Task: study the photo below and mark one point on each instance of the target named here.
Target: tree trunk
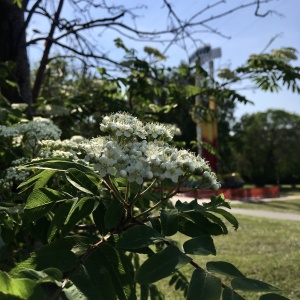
(13, 48)
(40, 74)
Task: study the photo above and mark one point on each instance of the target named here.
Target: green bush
(95, 205)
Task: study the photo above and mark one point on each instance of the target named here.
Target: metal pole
(197, 104)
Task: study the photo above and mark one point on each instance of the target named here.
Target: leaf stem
(112, 188)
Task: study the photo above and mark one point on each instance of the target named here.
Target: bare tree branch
(178, 30)
(41, 70)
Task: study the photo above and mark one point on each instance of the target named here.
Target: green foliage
(274, 159)
(89, 218)
(269, 71)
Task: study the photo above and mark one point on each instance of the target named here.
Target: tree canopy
(266, 147)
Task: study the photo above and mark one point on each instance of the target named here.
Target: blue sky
(248, 35)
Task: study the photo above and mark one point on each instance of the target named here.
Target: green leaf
(47, 275)
(98, 216)
(194, 224)
(71, 291)
(59, 164)
(185, 206)
(40, 201)
(144, 291)
(169, 221)
(120, 269)
(155, 223)
(155, 294)
(137, 237)
(81, 181)
(229, 294)
(217, 221)
(23, 288)
(39, 179)
(272, 296)
(18, 3)
(81, 209)
(215, 202)
(107, 274)
(201, 245)
(161, 265)
(223, 267)
(58, 255)
(58, 220)
(204, 286)
(90, 284)
(247, 284)
(228, 216)
(114, 214)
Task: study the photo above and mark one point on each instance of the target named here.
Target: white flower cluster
(123, 124)
(13, 174)
(37, 130)
(65, 149)
(157, 130)
(32, 132)
(8, 131)
(133, 151)
(28, 134)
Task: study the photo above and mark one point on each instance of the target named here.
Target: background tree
(267, 71)
(266, 147)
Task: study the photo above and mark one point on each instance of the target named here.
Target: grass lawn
(263, 249)
(284, 206)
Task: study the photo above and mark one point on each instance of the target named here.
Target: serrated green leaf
(82, 208)
(58, 220)
(38, 180)
(161, 265)
(137, 237)
(59, 164)
(204, 286)
(223, 267)
(40, 201)
(201, 245)
(114, 214)
(247, 284)
(272, 296)
(81, 181)
(58, 255)
(22, 288)
(169, 221)
(229, 294)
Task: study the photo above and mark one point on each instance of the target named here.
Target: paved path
(266, 214)
(252, 212)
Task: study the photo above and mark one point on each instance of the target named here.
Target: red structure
(237, 194)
